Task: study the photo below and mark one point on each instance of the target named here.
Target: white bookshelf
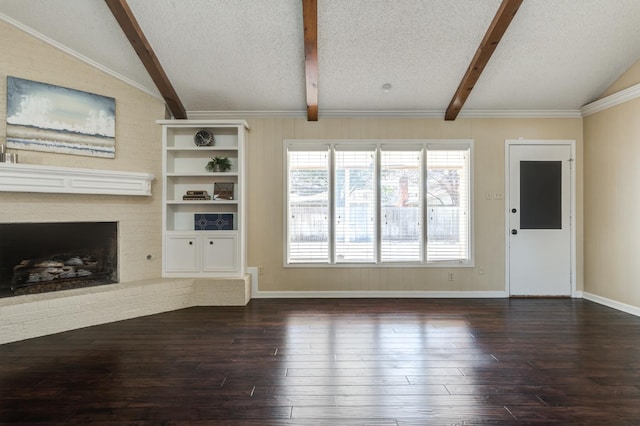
(205, 238)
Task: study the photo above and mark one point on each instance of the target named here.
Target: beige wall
(138, 144)
(138, 149)
(612, 200)
(265, 205)
(630, 78)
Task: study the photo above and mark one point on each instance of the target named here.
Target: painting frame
(50, 118)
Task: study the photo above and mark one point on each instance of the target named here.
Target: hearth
(42, 257)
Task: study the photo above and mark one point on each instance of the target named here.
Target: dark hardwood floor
(335, 362)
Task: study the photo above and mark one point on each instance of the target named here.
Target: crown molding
(398, 113)
(240, 115)
(610, 101)
(439, 114)
(76, 55)
(538, 113)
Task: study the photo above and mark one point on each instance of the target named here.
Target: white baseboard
(253, 271)
(257, 294)
(380, 294)
(630, 309)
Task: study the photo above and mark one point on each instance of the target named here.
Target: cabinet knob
(190, 243)
(210, 243)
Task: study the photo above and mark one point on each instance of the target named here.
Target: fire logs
(59, 267)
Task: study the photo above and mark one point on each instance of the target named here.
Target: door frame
(572, 214)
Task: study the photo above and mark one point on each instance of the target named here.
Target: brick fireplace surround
(70, 194)
(25, 317)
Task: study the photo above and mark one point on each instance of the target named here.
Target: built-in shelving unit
(203, 237)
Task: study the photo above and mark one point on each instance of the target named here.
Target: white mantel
(67, 180)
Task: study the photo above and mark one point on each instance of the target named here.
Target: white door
(539, 218)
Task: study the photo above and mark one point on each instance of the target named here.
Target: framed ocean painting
(45, 117)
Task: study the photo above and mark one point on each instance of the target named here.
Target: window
(361, 202)
(355, 206)
(448, 205)
(401, 206)
(308, 199)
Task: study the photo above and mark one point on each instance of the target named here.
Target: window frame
(379, 145)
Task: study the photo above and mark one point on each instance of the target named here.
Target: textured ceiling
(248, 55)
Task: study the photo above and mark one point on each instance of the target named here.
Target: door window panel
(540, 195)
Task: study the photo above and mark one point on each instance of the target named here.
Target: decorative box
(213, 221)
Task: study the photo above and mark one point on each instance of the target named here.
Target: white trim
(630, 309)
(610, 101)
(204, 123)
(337, 113)
(399, 113)
(572, 144)
(253, 271)
(380, 294)
(66, 180)
(216, 115)
(520, 114)
(78, 55)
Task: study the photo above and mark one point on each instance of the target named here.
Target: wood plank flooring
(335, 362)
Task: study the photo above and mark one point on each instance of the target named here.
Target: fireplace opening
(42, 257)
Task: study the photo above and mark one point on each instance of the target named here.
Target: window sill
(469, 264)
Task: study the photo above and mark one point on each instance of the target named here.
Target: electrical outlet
(481, 270)
(498, 196)
(260, 270)
(450, 276)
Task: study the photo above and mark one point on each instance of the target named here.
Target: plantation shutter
(308, 205)
(401, 204)
(448, 204)
(355, 204)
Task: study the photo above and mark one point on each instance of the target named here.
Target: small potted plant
(219, 164)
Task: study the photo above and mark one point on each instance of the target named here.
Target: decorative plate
(203, 138)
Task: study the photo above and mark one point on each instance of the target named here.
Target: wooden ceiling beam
(310, 19)
(498, 27)
(140, 44)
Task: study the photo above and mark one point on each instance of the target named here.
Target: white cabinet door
(220, 253)
(181, 253)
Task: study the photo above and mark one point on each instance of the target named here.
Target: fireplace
(42, 257)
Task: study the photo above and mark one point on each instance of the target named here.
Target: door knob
(514, 231)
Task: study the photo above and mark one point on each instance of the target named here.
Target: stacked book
(196, 195)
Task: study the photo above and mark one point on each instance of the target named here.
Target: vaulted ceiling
(247, 57)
